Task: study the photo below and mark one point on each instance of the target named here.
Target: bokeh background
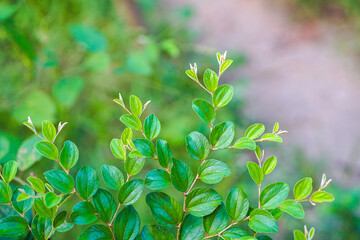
(295, 62)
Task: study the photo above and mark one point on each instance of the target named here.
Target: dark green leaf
(156, 232)
(60, 180)
(222, 135)
(152, 127)
(131, 121)
(5, 192)
(237, 203)
(83, 213)
(112, 176)
(255, 172)
(69, 155)
(269, 165)
(59, 219)
(25, 205)
(191, 228)
(181, 176)
(87, 182)
(274, 195)
(135, 105)
(197, 145)
(322, 196)
(222, 95)
(213, 171)
(234, 233)
(49, 131)
(245, 143)
(293, 208)
(202, 201)
(9, 171)
(205, 110)
(271, 137)
(41, 227)
(211, 80)
(104, 204)
(133, 165)
(118, 149)
(254, 131)
(216, 221)
(131, 191)
(51, 199)
(157, 179)
(47, 149)
(127, 224)
(42, 209)
(164, 153)
(96, 232)
(145, 146)
(13, 226)
(303, 188)
(37, 184)
(262, 221)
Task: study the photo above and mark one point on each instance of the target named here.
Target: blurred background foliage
(66, 60)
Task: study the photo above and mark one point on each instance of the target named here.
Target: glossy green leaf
(216, 221)
(213, 171)
(225, 65)
(204, 110)
(112, 176)
(165, 209)
(135, 105)
(254, 131)
(104, 204)
(131, 191)
(181, 176)
(133, 165)
(25, 205)
(13, 226)
(191, 75)
(127, 224)
(64, 227)
(202, 201)
(303, 188)
(156, 232)
(269, 165)
(83, 213)
(274, 195)
(9, 171)
(41, 227)
(47, 149)
(49, 131)
(60, 180)
(126, 136)
(293, 208)
(322, 196)
(271, 137)
(87, 182)
(197, 145)
(145, 147)
(222, 135)
(234, 233)
(59, 219)
(191, 228)
(118, 149)
(69, 155)
(277, 213)
(152, 127)
(211, 80)
(157, 179)
(245, 143)
(164, 153)
(262, 221)
(255, 172)
(42, 209)
(37, 184)
(51, 199)
(96, 232)
(237, 204)
(131, 121)
(222, 95)
(298, 235)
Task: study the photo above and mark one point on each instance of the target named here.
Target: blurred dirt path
(302, 75)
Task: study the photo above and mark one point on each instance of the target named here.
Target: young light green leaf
(197, 145)
(9, 171)
(191, 75)
(215, 222)
(213, 171)
(131, 121)
(135, 105)
(152, 127)
(299, 235)
(5, 192)
(255, 172)
(126, 135)
(271, 137)
(222, 135)
(276, 127)
(222, 95)
(42, 209)
(49, 131)
(262, 221)
(83, 213)
(134, 165)
(47, 149)
(293, 208)
(245, 143)
(274, 195)
(104, 204)
(322, 196)
(87, 182)
(127, 224)
(96, 232)
(269, 165)
(303, 188)
(225, 66)
(164, 153)
(13, 227)
(211, 80)
(237, 204)
(118, 149)
(202, 201)
(37, 184)
(204, 110)
(112, 176)
(60, 180)
(51, 200)
(130, 192)
(254, 131)
(145, 147)
(191, 228)
(181, 176)
(157, 179)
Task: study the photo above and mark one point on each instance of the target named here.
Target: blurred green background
(66, 60)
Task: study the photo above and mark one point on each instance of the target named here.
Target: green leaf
(104, 204)
(131, 191)
(245, 143)
(13, 226)
(65, 227)
(191, 228)
(49, 131)
(127, 224)
(112, 176)
(254, 131)
(234, 233)
(152, 127)
(237, 204)
(204, 110)
(59, 219)
(22, 197)
(213, 171)
(26, 154)
(274, 195)
(47, 149)
(157, 179)
(60, 180)
(298, 235)
(269, 165)
(255, 172)
(181, 176)
(87, 182)
(135, 153)
(96, 232)
(164, 153)
(197, 145)
(262, 221)
(202, 201)
(156, 232)
(222, 95)
(145, 146)
(126, 136)
(118, 149)
(51, 200)
(165, 209)
(277, 213)
(131, 121)
(25, 205)
(303, 188)
(69, 155)
(216, 221)
(135, 105)
(293, 208)
(89, 38)
(37, 184)
(67, 90)
(222, 135)
(271, 137)
(134, 165)
(83, 213)
(322, 196)
(211, 80)
(191, 75)
(276, 127)
(9, 170)
(42, 209)
(41, 227)
(225, 65)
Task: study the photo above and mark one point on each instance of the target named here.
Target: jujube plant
(202, 214)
